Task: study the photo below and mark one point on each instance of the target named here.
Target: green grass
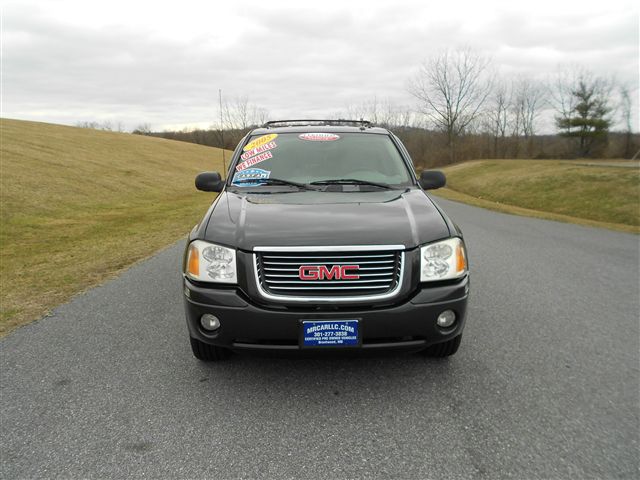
(605, 194)
(79, 205)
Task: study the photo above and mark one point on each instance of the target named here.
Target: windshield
(317, 157)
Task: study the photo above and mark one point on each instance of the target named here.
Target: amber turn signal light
(461, 261)
(193, 262)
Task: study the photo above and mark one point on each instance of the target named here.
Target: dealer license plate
(336, 333)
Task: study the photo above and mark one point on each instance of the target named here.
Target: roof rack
(303, 122)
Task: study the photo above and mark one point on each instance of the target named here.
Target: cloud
(138, 62)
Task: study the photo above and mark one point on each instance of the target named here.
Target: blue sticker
(241, 178)
(318, 333)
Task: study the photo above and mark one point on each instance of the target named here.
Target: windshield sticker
(257, 150)
(258, 142)
(253, 160)
(240, 179)
(319, 137)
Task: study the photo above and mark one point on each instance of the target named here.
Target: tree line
(465, 109)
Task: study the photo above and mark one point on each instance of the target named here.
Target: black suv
(323, 239)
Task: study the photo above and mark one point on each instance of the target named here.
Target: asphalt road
(545, 385)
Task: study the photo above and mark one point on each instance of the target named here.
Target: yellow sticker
(258, 142)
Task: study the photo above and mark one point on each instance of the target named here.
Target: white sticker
(250, 177)
(319, 137)
(262, 148)
(253, 160)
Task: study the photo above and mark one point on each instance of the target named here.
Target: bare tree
(259, 115)
(142, 129)
(87, 124)
(105, 125)
(372, 109)
(380, 112)
(529, 98)
(407, 118)
(395, 117)
(366, 110)
(626, 109)
(497, 115)
(452, 88)
(237, 117)
(240, 114)
(560, 92)
(235, 113)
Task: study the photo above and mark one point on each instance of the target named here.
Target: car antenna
(224, 161)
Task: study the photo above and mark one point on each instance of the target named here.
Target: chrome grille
(379, 273)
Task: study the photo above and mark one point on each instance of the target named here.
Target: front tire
(444, 349)
(208, 353)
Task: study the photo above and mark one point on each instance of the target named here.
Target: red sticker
(253, 160)
(257, 150)
(319, 137)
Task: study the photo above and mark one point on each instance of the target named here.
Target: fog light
(209, 322)
(446, 318)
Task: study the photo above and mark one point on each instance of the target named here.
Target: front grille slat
(296, 276)
(328, 282)
(297, 269)
(332, 262)
(330, 288)
(279, 273)
(327, 257)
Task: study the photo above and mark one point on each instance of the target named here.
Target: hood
(325, 218)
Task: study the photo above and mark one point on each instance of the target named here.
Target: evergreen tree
(589, 118)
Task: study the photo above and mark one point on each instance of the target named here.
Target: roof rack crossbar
(319, 122)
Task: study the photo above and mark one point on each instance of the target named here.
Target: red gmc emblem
(321, 272)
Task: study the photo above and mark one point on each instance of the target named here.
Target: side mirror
(432, 179)
(209, 182)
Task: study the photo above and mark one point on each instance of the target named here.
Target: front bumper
(247, 326)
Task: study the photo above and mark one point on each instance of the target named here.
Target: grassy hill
(600, 193)
(78, 205)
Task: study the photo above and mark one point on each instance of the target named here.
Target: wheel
(208, 353)
(444, 349)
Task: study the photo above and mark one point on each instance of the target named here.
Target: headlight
(443, 260)
(207, 262)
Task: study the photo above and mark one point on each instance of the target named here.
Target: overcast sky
(162, 63)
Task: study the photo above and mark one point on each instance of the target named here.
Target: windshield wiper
(351, 181)
(273, 181)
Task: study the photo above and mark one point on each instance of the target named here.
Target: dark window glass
(310, 157)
